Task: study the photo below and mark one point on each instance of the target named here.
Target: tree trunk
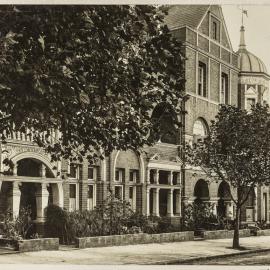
(236, 244)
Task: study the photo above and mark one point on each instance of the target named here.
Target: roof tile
(182, 15)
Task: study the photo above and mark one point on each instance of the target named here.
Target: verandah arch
(36, 157)
(224, 199)
(201, 191)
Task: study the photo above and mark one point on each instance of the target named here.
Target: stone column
(157, 177)
(42, 197)
(15, 169)
(18, 135)
(214, 208)
(227, 209)
(171, 178)
(23, 136)
(231, 210)
(178, 203)
(148, 176)
(16, 197)
(170, 203)
(147, 202)
(43, 170)
(156, 202)
(255, 211)
(178, 178)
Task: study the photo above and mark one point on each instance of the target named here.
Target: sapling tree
(237, 151)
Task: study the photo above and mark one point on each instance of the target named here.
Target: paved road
(261, 258)
(136, 254)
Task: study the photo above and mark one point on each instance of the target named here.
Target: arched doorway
(32, 168)
(201, 191)
(224, 201)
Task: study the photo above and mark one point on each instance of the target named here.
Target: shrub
(263, 225)
(56, 223)
(113, 217)
(225, 223)
(137, 220)
(165, 226)
(17, 228)
(199, 215)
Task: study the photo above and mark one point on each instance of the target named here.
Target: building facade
(153, 180)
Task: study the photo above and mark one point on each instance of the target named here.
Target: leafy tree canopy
(236, 151)
(92, 72)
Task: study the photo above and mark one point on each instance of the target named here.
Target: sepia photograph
(134, 134)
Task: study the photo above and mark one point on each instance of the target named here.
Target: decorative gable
(251, 91)
(214, 26)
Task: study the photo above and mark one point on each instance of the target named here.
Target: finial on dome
(242, 44)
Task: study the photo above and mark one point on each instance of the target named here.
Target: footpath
(148, 254)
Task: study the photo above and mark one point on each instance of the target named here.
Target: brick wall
(203, 43)
(225, 55)
(224, 40)
(214, 80)
(214, 49)
(191, 37)
(234, 88)
(180, 34)
(199, 108)
(190, 72)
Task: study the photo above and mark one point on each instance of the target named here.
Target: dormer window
(214, 31)
(215, 28)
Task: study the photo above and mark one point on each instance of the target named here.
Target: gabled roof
(185, 15)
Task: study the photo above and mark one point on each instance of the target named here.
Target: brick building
(154, 180)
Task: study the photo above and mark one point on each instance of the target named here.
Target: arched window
(165, 121)
(200, 130)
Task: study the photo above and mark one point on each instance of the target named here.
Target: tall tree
(92, 72)
(237, 151)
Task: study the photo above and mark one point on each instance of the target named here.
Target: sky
(257, 26)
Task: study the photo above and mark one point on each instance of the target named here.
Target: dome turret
(253, 77)
(248, 62)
